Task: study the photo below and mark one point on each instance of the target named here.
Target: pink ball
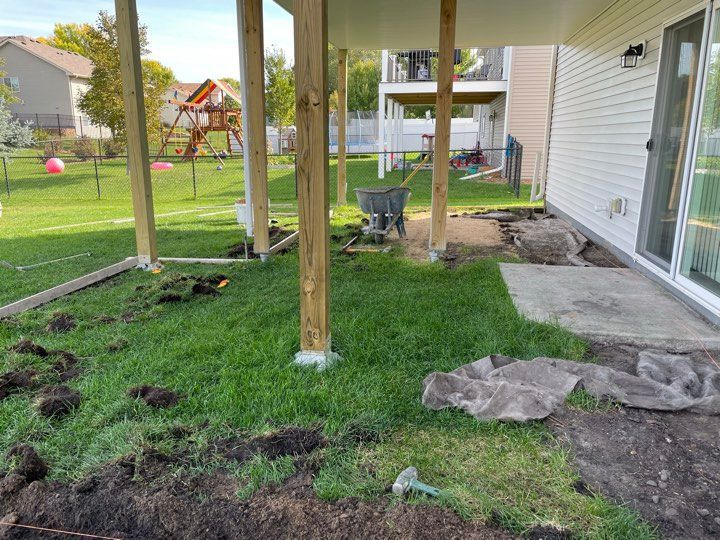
(161, 166)
(54, 165)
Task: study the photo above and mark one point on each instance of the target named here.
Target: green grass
(393, 321)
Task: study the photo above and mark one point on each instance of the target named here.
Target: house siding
(529, 89)
(493, 136)
(602, 117)
(44, 88)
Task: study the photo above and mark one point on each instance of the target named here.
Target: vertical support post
(192, 160)
(389, 132)
(58, 125)
(247, 174)
(7, 180)
(401, 129)
(443, 110)
(342, 126)
(310, 21)
(381, 135)
(255, 66)
(137, 143)
(97, 176)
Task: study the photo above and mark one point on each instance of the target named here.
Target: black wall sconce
(629, 58)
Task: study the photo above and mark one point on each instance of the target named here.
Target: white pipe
(243, 105)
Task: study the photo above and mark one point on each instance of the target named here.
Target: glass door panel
(700, 260)
(680, 60)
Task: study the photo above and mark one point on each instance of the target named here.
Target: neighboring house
(48, 83)
(508, 86)
(633, 159)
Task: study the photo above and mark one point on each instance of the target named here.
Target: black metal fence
(62, 125)
(104, 177)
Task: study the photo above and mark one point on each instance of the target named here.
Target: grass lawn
(393, 322)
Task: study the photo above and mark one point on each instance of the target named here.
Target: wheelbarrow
(385, 206)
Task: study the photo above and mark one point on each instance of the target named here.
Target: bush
(113, 147)
(84, 147)
(52, 148)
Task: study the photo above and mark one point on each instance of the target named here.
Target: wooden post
(310, 17)
(342, 126)
(255, 137)
(443, 111)
(137, 144)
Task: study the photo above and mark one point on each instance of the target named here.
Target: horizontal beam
(460, 98)
(285, 242)
(66, 288)
(195, 260)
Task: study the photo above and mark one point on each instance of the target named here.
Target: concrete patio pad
(607, 304)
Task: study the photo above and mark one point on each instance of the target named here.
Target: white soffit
(397, 24)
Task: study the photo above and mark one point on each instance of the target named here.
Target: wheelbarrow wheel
(380, 224)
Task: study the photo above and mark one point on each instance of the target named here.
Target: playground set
(208, 111)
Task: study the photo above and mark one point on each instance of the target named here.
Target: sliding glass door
(672, 128)
(700, 251)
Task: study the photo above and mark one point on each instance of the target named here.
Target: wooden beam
(255, 137)
(342, 125)
(443, 111)
(285, 242)
(66, 288)
(136, 131)
(310, 21)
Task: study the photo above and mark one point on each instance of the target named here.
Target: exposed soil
(665, 465)
(57, 401)
(145, 498)
(66, 365)
(154, 396)
(118, 345)
(545, 239)
(175, 288)
(287, 442)
(467, 240)
(203, 288)
(61, 322)
(29, 464)
(238, 251)
(26, 346)
(15, 381)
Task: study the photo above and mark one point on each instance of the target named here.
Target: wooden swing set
(206, 116)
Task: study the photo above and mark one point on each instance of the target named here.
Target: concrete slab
(607, 304)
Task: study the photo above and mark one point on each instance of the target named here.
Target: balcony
(420, 65)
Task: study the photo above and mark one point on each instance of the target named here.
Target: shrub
(113, 147)
(52, 147)
(84, 147)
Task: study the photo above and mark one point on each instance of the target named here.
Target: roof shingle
(75, 64)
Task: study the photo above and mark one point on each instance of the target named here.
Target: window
(12, 82)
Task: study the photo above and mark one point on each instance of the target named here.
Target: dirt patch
(136, 500)
(244, 250)
(26, 346)
(665, 465)
(29, 464)
(175, 288)
(15, 381)
(61, 323)
(546, 239)
(468, 239)
(204, 288)
(290, 441)
(57, 401)
(154, 396)
(66, 365)
(118, 345)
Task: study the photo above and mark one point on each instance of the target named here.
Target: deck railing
(413, 65)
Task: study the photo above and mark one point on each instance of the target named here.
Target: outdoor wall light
(634, 53)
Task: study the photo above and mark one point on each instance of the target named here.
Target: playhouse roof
(205, 89)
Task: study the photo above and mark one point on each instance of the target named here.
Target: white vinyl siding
(530, 73)
(493, 133)
(602, 116)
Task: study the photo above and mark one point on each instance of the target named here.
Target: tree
(13, 133)
(6, 93)
(71, 37)
(103, 101)
(230, 102)
(279, 90)
(363, 77)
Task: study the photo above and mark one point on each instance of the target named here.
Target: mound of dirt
(292, 441)
(57, 401)
(61, 322)
(154, 396)
(26, 346)
(66, 365)
(664, 465)
(175, 288)
(204, 288)
(117, 345)
(120, 502)
(30, 465)
(14, 381)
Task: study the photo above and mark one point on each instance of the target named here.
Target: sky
(196, 41)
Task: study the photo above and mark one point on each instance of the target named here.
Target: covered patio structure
(379, 24)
